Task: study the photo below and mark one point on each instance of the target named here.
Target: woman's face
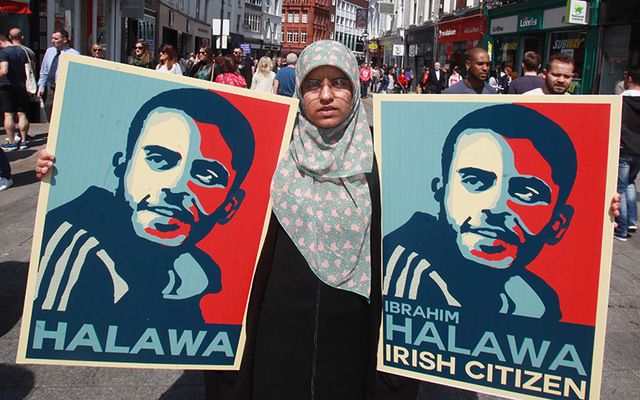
(163, 56)
(326, 96)
(202, 55)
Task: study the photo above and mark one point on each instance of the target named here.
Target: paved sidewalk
(17, 208)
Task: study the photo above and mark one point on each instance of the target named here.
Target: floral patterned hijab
(320, 192)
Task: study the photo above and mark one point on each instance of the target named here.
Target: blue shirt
(46, 66)
(286, 78)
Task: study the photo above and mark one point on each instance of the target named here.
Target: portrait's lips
(172, 212)
(498, 250)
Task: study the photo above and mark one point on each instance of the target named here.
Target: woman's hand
(44, 163)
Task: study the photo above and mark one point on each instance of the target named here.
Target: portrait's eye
(160, 158)
(529, 190)
(476, 179)
(341, 83)
(210, 173)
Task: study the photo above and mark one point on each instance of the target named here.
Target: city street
(18, 205)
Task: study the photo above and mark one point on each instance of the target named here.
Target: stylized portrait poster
(497, 240)
(149, 227)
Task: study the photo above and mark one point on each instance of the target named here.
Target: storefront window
(64, 16)
(506, 48)
(102, 28)
(571, 44)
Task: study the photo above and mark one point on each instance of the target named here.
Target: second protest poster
(497, 240)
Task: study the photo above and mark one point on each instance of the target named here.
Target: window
(303, 37)
(252, 22)
(305, 17)
(289, 36)
(282, 36)
(296, 18)
(332, 17)
(290, 18)
(254, 2)
(238, 23)
(295, 37)
(331, 35)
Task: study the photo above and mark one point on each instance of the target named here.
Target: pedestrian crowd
(334, 324)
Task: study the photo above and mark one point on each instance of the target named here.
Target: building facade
(347, 30)
(304, 22)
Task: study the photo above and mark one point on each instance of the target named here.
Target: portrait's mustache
(169, 210)
(498, 232)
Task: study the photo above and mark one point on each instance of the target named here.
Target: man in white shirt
(49, 68)
(558, 75)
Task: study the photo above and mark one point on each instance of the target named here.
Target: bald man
(478, 65)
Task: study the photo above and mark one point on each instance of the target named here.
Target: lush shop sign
(530, 21)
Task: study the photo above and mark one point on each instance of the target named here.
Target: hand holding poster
(149, 228)
(497, 242)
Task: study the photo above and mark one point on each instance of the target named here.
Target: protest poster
(149, 227)
(497, 240)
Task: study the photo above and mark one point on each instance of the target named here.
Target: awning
(14, 6)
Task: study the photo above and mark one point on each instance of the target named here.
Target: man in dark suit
(436, 80)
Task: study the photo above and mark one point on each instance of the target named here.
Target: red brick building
(304, 22)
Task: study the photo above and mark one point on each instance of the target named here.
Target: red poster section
(234, 246)
(575, 278)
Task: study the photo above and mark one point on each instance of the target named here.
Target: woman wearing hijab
(314, 313)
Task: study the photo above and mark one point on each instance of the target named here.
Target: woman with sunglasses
(141, 56)
(97, 51)
(314, 312)
(203, 65)
(168, 60)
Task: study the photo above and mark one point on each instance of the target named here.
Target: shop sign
(413, 50)
(462, 30)
(373, 46)
(132, 9)
(398, 49)
(386, 8)
(504, 25)
(530, 21)
(564, 44)
(576, 12)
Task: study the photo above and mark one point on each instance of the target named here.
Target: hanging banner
(149, 227)
(362, 18)
(497, 240)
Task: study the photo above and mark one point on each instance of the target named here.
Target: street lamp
(364, 37)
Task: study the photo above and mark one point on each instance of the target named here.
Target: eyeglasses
(98, 49)
(202, 52)
(162, 52)
(315, 85)
(139, 48)
(237, 52)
